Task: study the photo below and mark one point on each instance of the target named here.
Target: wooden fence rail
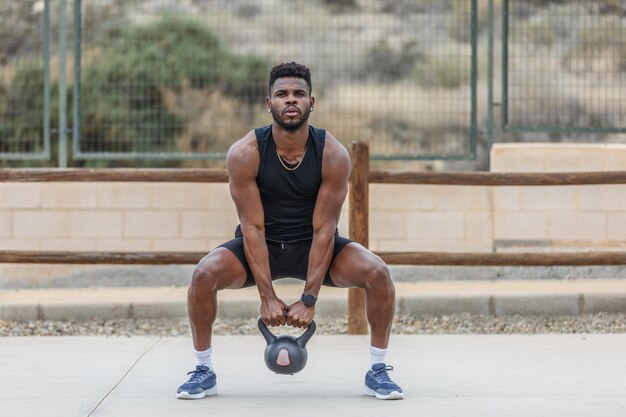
(113, 175)
(359, 217)
(391, 258)
(498, 178)
(373, 177)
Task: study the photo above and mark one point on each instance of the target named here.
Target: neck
(290, 141)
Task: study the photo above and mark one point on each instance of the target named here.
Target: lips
(291, 112)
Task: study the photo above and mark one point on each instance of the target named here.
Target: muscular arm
(330, 199)
(242, 163)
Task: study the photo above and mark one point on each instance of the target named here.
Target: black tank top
(289, 197)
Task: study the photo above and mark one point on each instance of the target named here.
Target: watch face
(308, 300)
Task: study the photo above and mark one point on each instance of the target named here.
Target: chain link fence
(24, 80)
(165, 79)
(565, 65)
(183, 79)
(189, 78)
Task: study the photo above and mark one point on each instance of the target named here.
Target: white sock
(204, 357)
(377, 355)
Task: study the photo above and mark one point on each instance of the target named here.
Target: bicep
(242, 185)
(245, 194)
(332, 194)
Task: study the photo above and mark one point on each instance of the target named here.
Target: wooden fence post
(359, 226)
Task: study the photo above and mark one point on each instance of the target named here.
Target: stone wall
(197, 217)
(589, 217)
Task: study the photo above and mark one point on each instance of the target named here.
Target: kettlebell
(286, 354)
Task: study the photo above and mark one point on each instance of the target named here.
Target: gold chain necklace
(297, 165)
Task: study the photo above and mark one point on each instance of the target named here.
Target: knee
(379, 278)
(204, 277)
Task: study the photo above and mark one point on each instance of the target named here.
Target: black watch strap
(308, 300)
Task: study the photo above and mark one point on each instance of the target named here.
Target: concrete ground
(499, 376)
(452, 375)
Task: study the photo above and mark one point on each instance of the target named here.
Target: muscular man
(288, 181)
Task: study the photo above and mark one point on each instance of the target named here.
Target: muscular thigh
(352, 265)
(224, 266)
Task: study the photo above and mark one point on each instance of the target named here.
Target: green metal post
(63, 84)
(490, 80)
(505, 64)
(46, 79)
(77, 64)
(473, 122)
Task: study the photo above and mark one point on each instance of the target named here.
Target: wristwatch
(308, 300)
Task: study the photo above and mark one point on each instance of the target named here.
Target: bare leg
(218, 270)
(355, 266)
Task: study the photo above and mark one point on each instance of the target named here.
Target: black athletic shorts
(288, 259)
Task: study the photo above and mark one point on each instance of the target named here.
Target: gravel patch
(403, 324)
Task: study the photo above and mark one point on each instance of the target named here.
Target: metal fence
(564, 65)
(163, 79)
(25, 89)
(172, 80)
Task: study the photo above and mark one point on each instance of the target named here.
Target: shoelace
(197, 374)
(383, 374)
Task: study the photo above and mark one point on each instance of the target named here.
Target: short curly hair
(290, 69)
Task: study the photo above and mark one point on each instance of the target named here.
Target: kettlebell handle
(267, 333)
(302, 340)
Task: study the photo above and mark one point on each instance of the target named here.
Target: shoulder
(243, 156)
(336, 157)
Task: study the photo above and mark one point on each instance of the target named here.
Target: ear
(268, 103)
(312, 99)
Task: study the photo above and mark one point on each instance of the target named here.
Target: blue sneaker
(202, 382)
(379, 385)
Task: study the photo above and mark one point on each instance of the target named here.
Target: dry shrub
(397, 118)
(211, 120)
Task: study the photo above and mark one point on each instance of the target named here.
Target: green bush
(443, 72)
(385, 64)
(19, 28)
(404, 7)
(341, 5)
(122, 91)
(612, 7)
(21, 109)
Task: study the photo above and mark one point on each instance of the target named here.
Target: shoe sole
(393, 395)
(206, 393)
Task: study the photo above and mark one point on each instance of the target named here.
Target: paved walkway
(486, 376)
(547, 297)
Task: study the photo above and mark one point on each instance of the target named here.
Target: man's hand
(299, 315)
(273, 311)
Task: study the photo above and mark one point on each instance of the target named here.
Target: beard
(293, 124)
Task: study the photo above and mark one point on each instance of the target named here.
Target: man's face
(290, 102)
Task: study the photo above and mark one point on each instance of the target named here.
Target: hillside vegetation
(190, 76)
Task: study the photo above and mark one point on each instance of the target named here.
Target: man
(288, 181)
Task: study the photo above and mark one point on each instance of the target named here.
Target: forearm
(320, 257)
(256, 252)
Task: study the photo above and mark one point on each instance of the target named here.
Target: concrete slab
(514, 375)
(30, 276)
(549, 305)
(64, 376)
(450, 297)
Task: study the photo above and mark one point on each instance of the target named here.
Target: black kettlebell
(286, 354)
